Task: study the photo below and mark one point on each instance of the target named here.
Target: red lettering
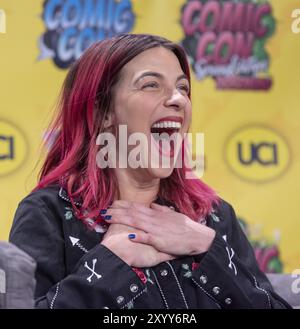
(244, 44)
(224, 48)
(226, 29)
(189, 22)
(237, 17)
(259, 29)
(210, 16)
(249, 18)
(206, 39)
(226, 19)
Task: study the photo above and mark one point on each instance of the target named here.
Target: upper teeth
(167, 124)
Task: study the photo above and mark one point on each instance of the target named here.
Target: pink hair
(71, 160)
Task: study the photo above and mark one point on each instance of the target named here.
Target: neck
(135, 188)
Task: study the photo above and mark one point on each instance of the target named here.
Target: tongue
(166, 148)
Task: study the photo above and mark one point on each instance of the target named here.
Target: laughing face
(151, 98)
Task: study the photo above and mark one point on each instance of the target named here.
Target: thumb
(163, 257)
(141, 237)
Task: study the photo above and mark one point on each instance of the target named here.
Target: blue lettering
(71, 14)
(66, 43)
(124, 17)
(85, 39)
(52, 14)
(89, 14)
(76, 24)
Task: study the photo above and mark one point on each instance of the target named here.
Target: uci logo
(257, 154)
(13, 148)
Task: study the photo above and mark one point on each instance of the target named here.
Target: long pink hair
(85, 100)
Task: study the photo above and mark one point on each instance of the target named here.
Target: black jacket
(75, 271)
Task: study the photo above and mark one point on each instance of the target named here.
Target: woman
(132, 236)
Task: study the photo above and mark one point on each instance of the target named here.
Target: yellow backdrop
(252, 155)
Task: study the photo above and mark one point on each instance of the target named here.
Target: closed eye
(185, 88)
(150, 85)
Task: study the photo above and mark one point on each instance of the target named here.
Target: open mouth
(161, 131)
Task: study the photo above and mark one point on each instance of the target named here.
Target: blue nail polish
(131, 236)
(107, 217)
(103, 211)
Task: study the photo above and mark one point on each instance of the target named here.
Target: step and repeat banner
(245, 63)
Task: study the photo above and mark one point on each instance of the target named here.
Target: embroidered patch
(231, 265)
(195, 266)
(214, 217)
(75, 242)
(186, 270)
(140, 274)
(98, 228)
(129, 305)
(148, 276)
(92, 270)
(68, 213)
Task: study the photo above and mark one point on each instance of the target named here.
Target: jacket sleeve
(228, 271)
(100, 279)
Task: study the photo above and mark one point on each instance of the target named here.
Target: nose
(175, 99)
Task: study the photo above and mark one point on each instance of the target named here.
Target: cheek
(188, 113)
(135, 113)
(140, 109)
(127, 111)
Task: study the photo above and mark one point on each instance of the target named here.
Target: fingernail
(103, 211)
(107, 217)
(131, 236)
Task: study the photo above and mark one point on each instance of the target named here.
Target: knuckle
(134, 213)
(149, 238)
(134, 219)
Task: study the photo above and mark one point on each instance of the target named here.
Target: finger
(123, 219)
(141, 237)
(149, 239)
(140, 207)
(134, 209)
(130, 218)
(160, 207)
(121, 204)
(117, 212)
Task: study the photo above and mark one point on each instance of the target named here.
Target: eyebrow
(158, 75)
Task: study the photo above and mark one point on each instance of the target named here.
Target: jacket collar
(63, 194)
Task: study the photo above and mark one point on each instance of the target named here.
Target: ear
(108, 122)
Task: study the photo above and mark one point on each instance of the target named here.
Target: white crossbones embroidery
(98, 276)
(231, 264)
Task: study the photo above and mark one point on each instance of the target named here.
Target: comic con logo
(257, 154)
(13, 148)
(73, 25)
(225, 40)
